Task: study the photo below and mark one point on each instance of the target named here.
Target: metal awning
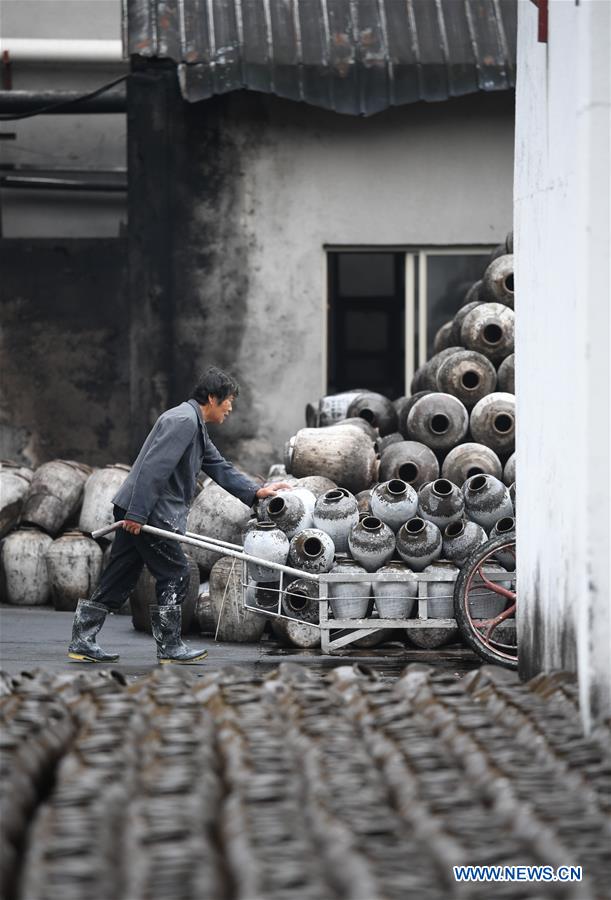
(352, 56)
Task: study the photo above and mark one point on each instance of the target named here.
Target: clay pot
(395, 599)
(394, 502)
(263, 595)
(217, 514)
(395, 438)
(498, 280)
(460, 317)
(345, 455)
(336, 513)
(311, 550)
(308, 498)
(440, 502)
(505, 527)
(509, 472)
(493, 422)
(334, 407)
(439, 420)
(234, 622)
(316, 484)
(485, 603)
(506, 375)
(512, 494)
(144, 596)
(473, 294)
(486, 500)
(286, 511)
(509, 242)
(362, 424)
(470, 459)
(363, 500)
(416, 382)
(375, 409)
(372, 543)
(460, 539)
(266, 541)
(349, 600)
(499, 250)
(489, 329)
(25, 570)
(14, 486)
(443, 337)
(74, 564)
(300, 600)
(428, 379)
(440, 603)
(432, 638)
(419, 543)
(99, 490)
(298, 634)
(466, 375)
(55, 494)
(411, 461)
(403, 411)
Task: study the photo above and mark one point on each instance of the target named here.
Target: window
(384, 309)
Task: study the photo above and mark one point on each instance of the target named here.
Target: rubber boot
(88, 619)
(166, 622)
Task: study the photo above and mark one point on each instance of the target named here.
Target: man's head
(215, 393)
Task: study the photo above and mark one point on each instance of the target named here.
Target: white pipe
(60, 50)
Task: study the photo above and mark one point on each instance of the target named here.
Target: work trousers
(130, 553)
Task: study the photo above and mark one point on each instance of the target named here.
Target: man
(158, 492)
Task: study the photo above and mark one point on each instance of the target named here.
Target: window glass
(366, 274)
(449, 276)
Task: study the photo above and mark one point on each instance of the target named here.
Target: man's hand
(271, 489)
(132, 527)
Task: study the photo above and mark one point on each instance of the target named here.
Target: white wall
(562, 344)
(92, 141)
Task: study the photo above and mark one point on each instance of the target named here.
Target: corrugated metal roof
(351, 56)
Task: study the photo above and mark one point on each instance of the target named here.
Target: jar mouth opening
(507, 523)
(508, 283)
(408, 472)
(397, 487)
(276, 505)
(371, 523)
(415, 525)
(478, 483)
(454, 529)
(334, 495)
(470, 380)
(312, 547)
(492, 333)
(266, 526)
(474, 470)
(297, 599)
(442, 487)
(368, 415)
(439, 423)
(503, 423)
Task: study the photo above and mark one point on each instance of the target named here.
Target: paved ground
(33, 637)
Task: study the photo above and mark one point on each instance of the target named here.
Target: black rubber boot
(166, 622)
(88, 619)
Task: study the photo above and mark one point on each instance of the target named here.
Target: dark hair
(215, 382)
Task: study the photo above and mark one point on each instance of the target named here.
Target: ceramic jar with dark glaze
(505, 527)
(395, 599)
(428, 379)
(371, 543)
(55, 494)
(489, 329)
(486, 500)
(460, 316)
(440, 601)
(509, 472)
(440, 502)
(470, 459)
(493, 422)
(506, 375)
(419, 543)
(460, 539)
(403, 411)
(443, 337)
(349, 599)
(438, 420)
(287, 512)
(363, 500)
(467, 375)
(329, 409)
(336, 513)
(410, 461)
(395, 438)
(74, 564)
(300, 600)
(376, 409)
(344, 454)
(311, 550)
(498, 282)
(263, 595)
(394, 502)
(265, 541)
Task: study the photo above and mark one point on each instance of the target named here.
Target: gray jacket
(161, 485)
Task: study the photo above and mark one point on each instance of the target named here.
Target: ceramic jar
(394, 502)
(74, 564)
(25, 569)
(460, 539)
(493, 422)
(438, 420)
(486, 500)
(100, 488)
(375, 409)
(296, 633)
(484, 603)
(332, 408)
(443, 337)
(498, 283)
(467, 375)
(349, 599)
(287, 512)
(505, 527)
(463, 312)
(316, 484)
(346, 455)
(440, 598)
(311, 550)
(55, 494)
(395, 599)
(336, 513)
(217, 514)
(15, 483)
(506, 375)
(509, 472)
(263, 595)
(300, 600)
(440, 502)
(265, 541)
(470, 459)
(409, 461)
(419, 543)
(428, 378)
(489, 329)
(372, 543)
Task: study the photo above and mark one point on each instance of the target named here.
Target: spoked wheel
(482, 605)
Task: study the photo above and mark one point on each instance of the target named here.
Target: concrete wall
(64, 351)
(264, 184)
(562, 193)
(93, 142)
